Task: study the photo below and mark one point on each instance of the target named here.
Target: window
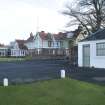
(57, 43)
(100, 49)
(61, 43)
(49, 43)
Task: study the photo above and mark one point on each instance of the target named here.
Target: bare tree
(90, 14)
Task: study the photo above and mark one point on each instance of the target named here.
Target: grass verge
(53, 92)
(9, 59)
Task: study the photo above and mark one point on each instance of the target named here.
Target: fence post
(62, 73)
(5, 82)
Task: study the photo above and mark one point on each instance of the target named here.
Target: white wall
(96, 61)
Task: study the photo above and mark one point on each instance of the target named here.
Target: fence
(35, 52)
(48, 52)
(74, 55)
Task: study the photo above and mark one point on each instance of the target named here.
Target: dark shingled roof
(48, 36)
(99, 35)
(60, 36)
(2, 45)
(21, 44)
(31, 38)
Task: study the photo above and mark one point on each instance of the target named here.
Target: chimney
(42, 31)
(31, 34)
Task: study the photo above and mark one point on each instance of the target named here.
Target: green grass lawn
(9, 59)
(53, 92)
(4, 59)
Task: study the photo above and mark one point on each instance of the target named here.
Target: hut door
(86, 55)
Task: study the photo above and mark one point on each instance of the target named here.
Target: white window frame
(100, 49)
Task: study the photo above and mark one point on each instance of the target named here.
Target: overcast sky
(20, 17)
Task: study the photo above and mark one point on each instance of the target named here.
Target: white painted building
(3, 50)
(91, 51)
(52, 43)
(18, 49)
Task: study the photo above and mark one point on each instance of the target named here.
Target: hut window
(100, 49)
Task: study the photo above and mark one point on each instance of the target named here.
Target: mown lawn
(53, 92)
(9, 59)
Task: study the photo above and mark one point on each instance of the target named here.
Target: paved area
(92, 75)
(29, 71)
